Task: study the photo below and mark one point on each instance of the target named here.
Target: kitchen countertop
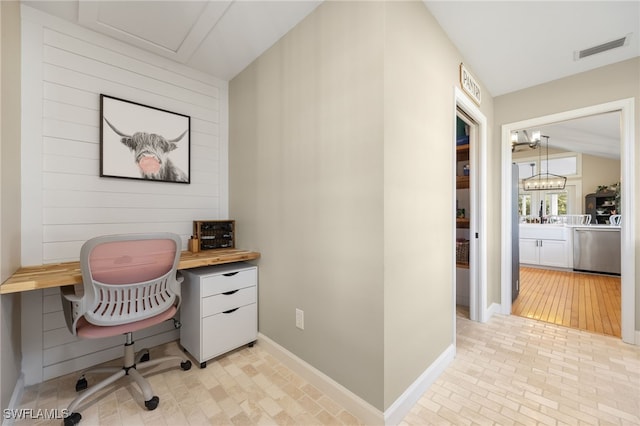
(562, 225)
(598, 226)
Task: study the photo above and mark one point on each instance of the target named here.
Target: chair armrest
(69, 293)
(72, 306)
(177, 288)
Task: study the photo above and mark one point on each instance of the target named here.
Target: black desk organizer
(214, 234)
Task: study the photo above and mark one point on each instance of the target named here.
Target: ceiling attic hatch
(580, 54)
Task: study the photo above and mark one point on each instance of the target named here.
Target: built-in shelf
(462, 152)
(462, 182)
(462, 265)
(462, 222)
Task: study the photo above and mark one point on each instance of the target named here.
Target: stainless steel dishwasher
(596, 249)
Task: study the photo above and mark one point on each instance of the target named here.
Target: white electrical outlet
(300, 319)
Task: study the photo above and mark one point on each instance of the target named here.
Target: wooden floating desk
(60, 274)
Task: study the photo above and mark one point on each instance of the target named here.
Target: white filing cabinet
(219, 310)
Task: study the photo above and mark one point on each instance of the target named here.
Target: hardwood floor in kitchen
(583, 301)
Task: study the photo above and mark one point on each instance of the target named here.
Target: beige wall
(341, 172)
(306, 189)
(10, 194)
(421, 71)
(606, 84)
(598, 171)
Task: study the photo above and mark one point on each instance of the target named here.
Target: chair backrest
(129, 277)
(615, 219)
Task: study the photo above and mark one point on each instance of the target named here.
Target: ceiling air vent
(602, 47)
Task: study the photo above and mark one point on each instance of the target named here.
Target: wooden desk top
(60, 274)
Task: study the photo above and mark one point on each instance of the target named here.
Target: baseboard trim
(341, 395)
(637, 337)
(494, 308)
(14, 402)
(401, 407)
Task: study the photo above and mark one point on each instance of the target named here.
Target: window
(560, 164)
(555, 202)
(564, 166)
(524, 204)
(527, 169)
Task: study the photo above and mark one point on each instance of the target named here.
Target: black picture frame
(143, 142)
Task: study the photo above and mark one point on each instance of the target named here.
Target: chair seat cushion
(86, 330)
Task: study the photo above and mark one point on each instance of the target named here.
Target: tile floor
(518, 371)
(245, 387)
(509, 371)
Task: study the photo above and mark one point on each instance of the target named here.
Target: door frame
(478, 205)
(629, 177)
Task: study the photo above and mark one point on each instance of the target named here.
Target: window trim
(536, 159)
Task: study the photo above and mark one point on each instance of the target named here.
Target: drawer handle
(230, 310)
(227, 293)
(230, 274)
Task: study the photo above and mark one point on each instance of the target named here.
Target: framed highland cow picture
(142, 142)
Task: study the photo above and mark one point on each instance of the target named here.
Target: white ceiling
(218, 37)
(597, 135)
(509, 45)
(512, 45)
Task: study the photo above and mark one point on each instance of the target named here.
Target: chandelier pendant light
(543, 181)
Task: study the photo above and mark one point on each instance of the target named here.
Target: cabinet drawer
(224, 332)
(222, 283)
(230, 300)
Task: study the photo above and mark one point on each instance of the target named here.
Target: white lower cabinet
(554, 253)
(219, 310)
(544, 252)
(529, 251)
(546, 245)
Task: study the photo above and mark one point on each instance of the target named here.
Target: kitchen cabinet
(600, 205)
(544, 252)
(546, 245)
(219, 310)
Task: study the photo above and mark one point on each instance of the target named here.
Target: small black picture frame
(143, 142)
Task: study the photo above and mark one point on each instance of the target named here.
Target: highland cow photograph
(143, 142)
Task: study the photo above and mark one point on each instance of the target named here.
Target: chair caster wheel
(72, 419)
(203, 364)
(152, 404)
(145, 357)
(81, 385)
(185, 365)
(251, 344)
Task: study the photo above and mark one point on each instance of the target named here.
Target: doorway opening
(628, 176)
(470, 275)
(586, 151)
(466, 137)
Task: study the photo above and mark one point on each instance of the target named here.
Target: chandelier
(543, 181)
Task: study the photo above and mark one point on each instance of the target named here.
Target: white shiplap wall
(65, 68)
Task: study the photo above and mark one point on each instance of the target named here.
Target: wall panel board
(65, 201)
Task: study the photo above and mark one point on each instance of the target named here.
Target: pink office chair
(130, 282)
